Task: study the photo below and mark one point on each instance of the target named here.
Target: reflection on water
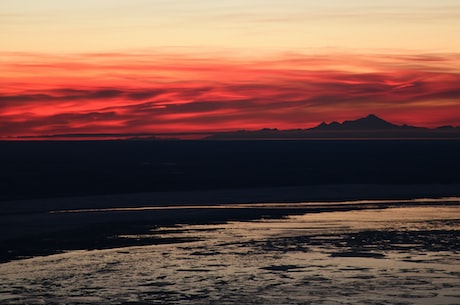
(403, 255)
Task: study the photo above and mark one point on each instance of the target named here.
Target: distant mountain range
(369, 127)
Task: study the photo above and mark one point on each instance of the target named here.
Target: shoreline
(285, 194)
(43, 227)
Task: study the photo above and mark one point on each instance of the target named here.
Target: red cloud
(120, 94)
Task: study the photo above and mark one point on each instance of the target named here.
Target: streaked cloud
(150, 93)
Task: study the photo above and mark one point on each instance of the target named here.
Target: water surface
(397, 255)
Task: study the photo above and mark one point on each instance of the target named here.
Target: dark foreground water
(396, 255)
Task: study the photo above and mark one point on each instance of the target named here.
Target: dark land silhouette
(375, 152)
(41, 169)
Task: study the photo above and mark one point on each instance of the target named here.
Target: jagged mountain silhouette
(370, 122)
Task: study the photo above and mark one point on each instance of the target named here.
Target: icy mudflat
(397, 255)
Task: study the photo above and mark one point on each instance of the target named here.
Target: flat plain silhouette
(38, 169)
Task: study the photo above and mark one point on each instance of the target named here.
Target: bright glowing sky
(127, 66)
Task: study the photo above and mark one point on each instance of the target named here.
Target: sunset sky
(184, 66)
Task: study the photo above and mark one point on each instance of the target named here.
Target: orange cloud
(158, 93)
